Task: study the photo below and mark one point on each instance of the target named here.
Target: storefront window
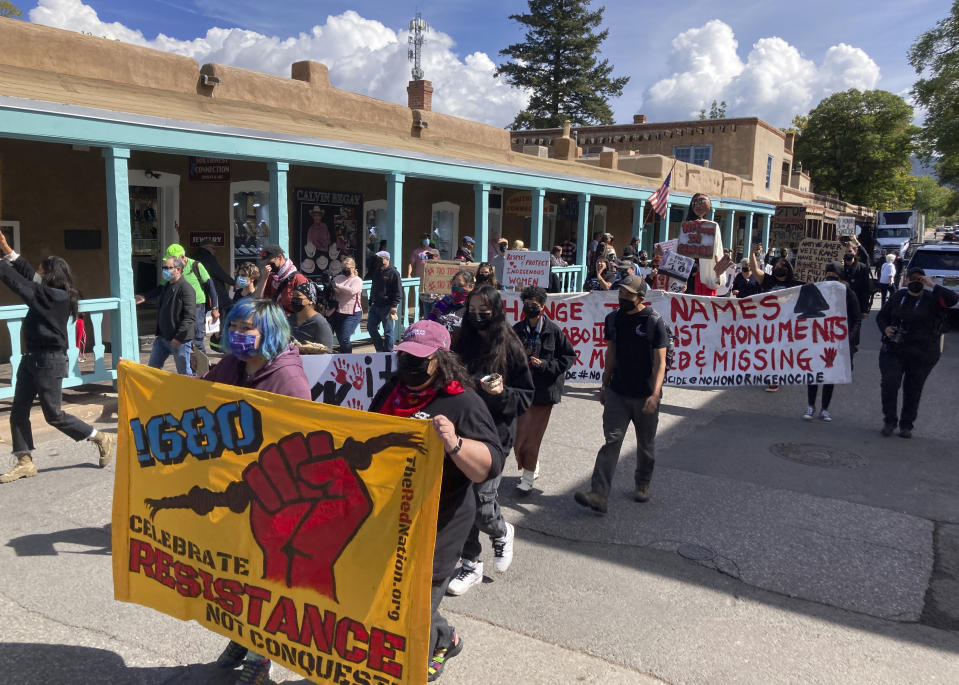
(251, 228)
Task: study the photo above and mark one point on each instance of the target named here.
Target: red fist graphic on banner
(307, 504)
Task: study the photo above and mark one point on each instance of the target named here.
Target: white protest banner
(846, 225)
(787, 337)
(523, 268)
(795, 336)
(347, 380)
(696, 238)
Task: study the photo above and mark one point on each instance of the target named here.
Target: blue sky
(769, 59)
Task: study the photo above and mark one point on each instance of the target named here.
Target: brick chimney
(420, 95)
(639, 118)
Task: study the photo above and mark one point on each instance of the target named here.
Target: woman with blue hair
(261, 357)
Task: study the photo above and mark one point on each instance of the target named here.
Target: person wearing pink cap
(431, 383)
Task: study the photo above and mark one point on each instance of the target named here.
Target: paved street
(772, 551)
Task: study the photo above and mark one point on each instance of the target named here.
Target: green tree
(716, 111)
(931, 198)
(935, 57)
(558, 63)
(857, 144)
(8, 9)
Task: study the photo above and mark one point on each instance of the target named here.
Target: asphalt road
(773, 550)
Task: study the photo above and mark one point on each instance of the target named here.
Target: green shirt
(197, 283)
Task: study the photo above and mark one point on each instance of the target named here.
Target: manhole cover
(696, 553)
(818, 455)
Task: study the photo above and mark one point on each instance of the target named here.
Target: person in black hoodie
(549, 354)
(51, 299)
(910, 322)
(496, 359)
(856, 274)
(386, 291)
(781, 279)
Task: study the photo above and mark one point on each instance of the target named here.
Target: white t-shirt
(887, 273)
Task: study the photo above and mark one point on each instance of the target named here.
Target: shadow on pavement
(44, 544)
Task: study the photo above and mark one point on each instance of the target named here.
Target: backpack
(670, 337)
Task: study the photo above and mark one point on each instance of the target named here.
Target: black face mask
(297, 306)
(626, 305)
(412, 370)
(532, 311)
(347, 272)
(483, 278)
(780, 272)
(915, 287)
(481, 320)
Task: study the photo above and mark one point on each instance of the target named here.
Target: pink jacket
(347, 292)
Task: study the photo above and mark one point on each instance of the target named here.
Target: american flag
(660, 198)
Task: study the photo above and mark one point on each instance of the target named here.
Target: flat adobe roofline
(698, 123)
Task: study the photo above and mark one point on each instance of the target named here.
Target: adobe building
(747, 147)
(109, 152)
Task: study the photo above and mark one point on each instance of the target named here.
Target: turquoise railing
(95, 310)
(571, 278)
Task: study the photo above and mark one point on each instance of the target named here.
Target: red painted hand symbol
(307, 505)
(354, 403)
(339, 371)
(829, 356)
(357, 376)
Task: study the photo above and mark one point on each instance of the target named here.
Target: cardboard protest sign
(665, 247)
(787, 337)
(696, 238)
(347, 380)
(300, 530)
(813, 256)
(788, 226)
(846, 225)
(522, 268)
(437, 274)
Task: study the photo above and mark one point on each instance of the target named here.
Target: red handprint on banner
(354, 403)
(356, 373)
(339, 371)
(829, 356)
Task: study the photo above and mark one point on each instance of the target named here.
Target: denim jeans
(380, 314)
(41, 374)
(199, 325)
(343, 326)
(162, 348)
(618, 412)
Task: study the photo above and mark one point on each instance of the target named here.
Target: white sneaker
(825, 416)
(503, 550)
(810, 412)
(467, 575)
(536, 472)
(525, 485)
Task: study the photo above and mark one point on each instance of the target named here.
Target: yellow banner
(301, 530)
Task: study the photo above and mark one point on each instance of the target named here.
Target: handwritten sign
(813, 256)
(523, 268)
(696, 238)
(788, 226)
(665, 247)
(437, 274)
(846, 225)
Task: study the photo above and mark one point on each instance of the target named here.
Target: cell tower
(418, 29)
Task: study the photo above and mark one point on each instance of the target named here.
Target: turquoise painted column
(712, 214)
(767, 220)
(123, 322)
(665, 222)
(481, 220)
(748, 235)
(582, 236)
(536, 219)
(394, 216)
(728, 230)
(279, 205)
(639, 208)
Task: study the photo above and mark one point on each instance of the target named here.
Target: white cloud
(363, 55)
(775, 82)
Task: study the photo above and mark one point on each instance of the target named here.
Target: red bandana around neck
(405, 402)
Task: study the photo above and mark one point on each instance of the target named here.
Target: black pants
(812, 390)
(908, 367)
(441, 632)
(41, 374)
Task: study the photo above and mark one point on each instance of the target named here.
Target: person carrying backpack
(635, 367)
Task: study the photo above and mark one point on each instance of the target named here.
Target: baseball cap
(383, 254)
(633, 284)
(175, 250)
(469, 239)
(268, 252)
(423, 338)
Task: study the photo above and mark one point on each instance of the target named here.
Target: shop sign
(209, 169)
(198, 238)
(521, 204)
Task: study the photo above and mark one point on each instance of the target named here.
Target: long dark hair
(490, 353)
(492, 274)
(690, 215)
(57, 274)
(449, 368)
